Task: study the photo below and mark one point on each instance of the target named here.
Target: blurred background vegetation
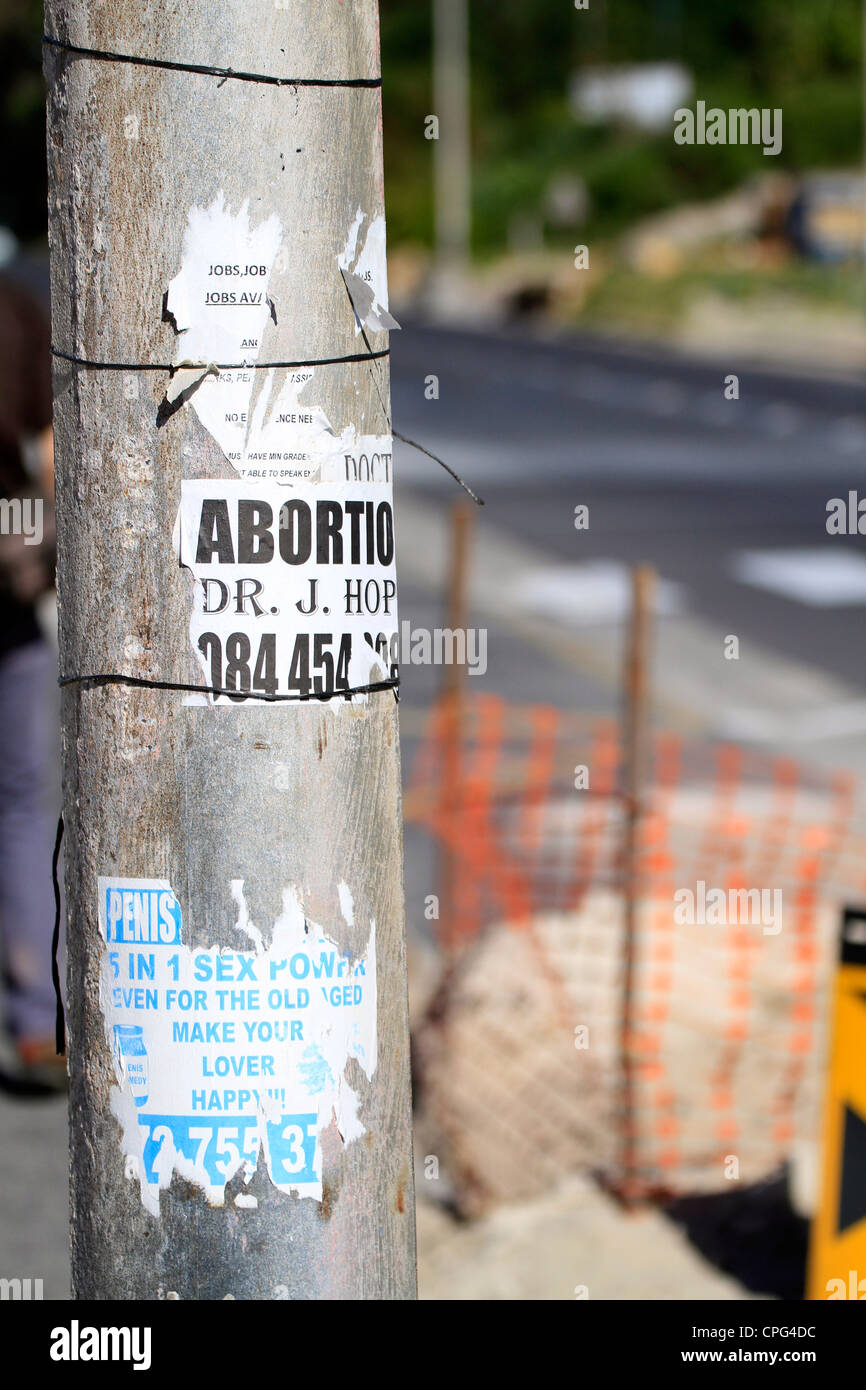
(801, 55)
(22, 119)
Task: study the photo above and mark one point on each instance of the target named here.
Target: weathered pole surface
(236, 820)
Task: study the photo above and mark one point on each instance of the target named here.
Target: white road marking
(818, 578)
(806, 726)
(596, 592)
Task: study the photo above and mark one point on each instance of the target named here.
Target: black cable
(220, 366)
(59, 1020)
(479, 501)
(120, 678)
(206, 70)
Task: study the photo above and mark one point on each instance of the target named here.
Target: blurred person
(27, 669)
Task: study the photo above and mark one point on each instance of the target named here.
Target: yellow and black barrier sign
(837, 1257)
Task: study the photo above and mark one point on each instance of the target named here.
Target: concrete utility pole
(453, 153)
(238, 1033)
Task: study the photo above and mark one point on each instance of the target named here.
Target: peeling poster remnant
(222, 1055)
(364, 270)
(220, 306)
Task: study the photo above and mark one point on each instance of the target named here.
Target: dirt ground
(575, 1243)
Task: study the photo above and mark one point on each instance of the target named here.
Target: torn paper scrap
(364, 268)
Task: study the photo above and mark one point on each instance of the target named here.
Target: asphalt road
(727, 498)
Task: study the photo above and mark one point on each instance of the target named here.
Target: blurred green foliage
(632, 303)
(22, 119)
(802, 55)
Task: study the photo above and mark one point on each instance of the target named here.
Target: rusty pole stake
(636, 736)
(453, 707)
